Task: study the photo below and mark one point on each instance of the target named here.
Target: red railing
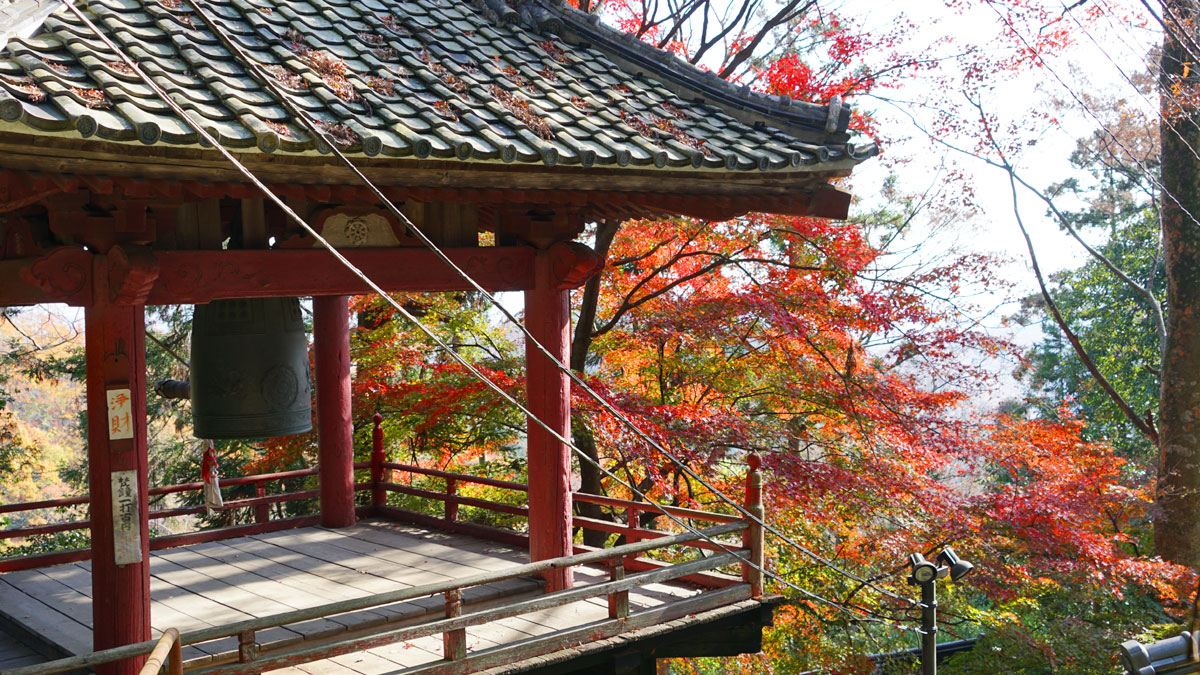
(381, 484)
(255, 655)
(630, 527)
(260, 503)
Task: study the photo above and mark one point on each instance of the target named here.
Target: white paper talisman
(127, 531)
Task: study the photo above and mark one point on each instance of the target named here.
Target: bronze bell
(249, 369)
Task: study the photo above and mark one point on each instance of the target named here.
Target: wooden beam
(196, 277)
(254, 224)
(201, 276)
(63, 155)
(157, 543)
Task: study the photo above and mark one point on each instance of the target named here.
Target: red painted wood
(693, 514)
(173, 540)
(499, 507)
(116, 357)
(635, 534)
(549, 399)
(243, 480)
(47, 504)
(331, 341)
(262, 511)
(472, 529)
(170, 541)
(460, 477)
(42, 529)
(378, 457)
(238, 504)
(451, 499)
(752, 537)
(200, 276)
(634, 564)
(29, 562)
(189, 277)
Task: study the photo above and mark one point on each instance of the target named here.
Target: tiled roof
(533, 83)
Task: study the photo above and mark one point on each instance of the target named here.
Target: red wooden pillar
(117, 471)
(335, 431)
(549, 399)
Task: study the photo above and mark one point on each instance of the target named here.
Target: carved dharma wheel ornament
(249, 369)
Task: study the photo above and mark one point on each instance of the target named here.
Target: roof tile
(439, 78)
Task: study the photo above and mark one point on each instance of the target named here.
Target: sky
(1102, 58)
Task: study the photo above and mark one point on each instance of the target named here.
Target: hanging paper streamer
(210, 473)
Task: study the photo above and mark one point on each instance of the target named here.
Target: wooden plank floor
(219, 582)
(14, 653)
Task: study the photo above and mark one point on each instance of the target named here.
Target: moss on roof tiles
(476, 82)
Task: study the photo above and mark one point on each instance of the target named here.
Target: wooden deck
(15, 653)
(220, 582)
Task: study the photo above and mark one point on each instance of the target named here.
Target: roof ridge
(802, 119)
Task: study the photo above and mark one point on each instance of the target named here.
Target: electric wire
(184, 116)
(1192, 49)
(267, 81)
(1087, 109)
(1163, 93)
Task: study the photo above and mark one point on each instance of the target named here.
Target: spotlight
(959, 568)
(925, 574)
(923, 571)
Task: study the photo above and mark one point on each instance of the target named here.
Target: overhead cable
(267, 81)
(184, 116)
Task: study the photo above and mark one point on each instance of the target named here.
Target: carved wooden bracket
(65, 274)
(355, 227)
(132, 271)
(572, 264)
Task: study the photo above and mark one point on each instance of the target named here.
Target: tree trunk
(581, 344)
(1177, 518)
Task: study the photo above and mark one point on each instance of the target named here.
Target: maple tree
(801, 339)
(1035, 32)
(847, 361)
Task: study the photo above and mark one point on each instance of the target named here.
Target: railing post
(175, 659)
(378, 494)
(618, 601)
(262, 512)
(752, 536)
(454, 642)
(247, 647)
(451, 503)
(631, 524)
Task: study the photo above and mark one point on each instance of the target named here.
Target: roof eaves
(809, 122)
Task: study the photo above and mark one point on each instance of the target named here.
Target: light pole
(925, 574)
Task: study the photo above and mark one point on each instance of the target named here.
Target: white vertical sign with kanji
(127, 530)
(120, 414)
